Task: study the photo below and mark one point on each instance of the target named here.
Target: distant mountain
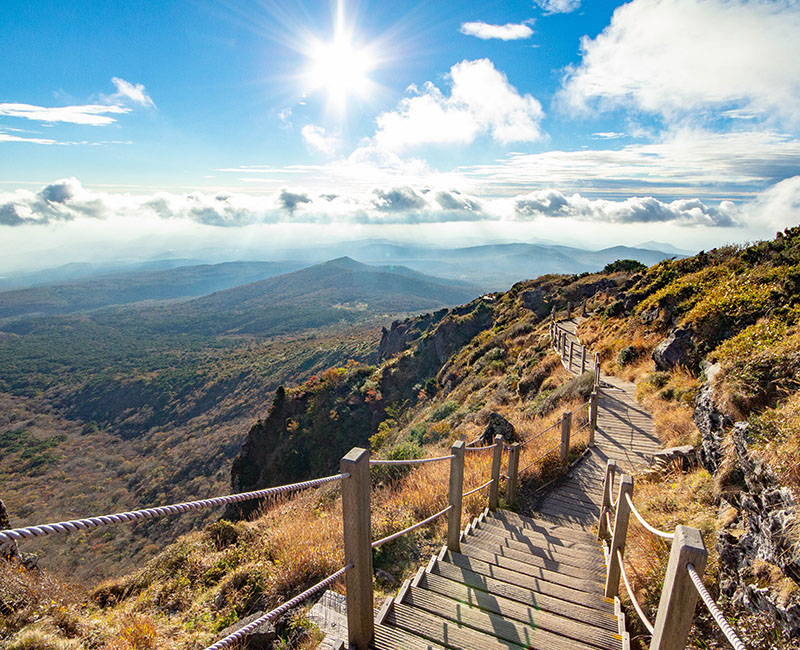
(667, 248)
(328, 293)
(123, 288)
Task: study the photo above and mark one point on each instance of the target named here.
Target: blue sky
(597, 122)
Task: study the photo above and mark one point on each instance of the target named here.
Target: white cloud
(686, 163)
(317, 138)
(66, 200)
(131, 92)
(558, 6)
(481, 101)
(90, 114)
(607, 135)
(680, 58)
(507, 32)
(7, 137)
(690, 212)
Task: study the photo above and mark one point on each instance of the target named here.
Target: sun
(340, 68)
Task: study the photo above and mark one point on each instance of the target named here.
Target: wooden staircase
(529, 582)
(517, 583)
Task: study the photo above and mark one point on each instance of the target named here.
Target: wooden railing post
(583, 308)
(569, 309)
(513, 466)
(497, 457)
(619, 536)
(583, 359)
(563, 345)
(597, 370)
(455, 496)
(571, 353)
(593, 404)
(608, 487)
(358, 547)
(566, 424)
(679, 595)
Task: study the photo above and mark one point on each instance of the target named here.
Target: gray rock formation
(711, 423)
(498, 425)
(678, 349)
(260, 638)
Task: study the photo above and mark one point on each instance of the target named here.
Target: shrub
(627, 355)
(443, 411)
(625, 266)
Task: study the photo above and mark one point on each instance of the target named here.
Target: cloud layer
(481, 102)
(675, 57)
(507, 32)
(67, 200)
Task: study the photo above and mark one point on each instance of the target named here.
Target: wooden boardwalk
(528, 582)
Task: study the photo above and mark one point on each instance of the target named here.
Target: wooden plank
(527, 635)
(537, 560)
(593, 600)
(583, 583)
(513, 521)
(511, 609)
(576, 557)
(450, 634)
(605, 619)
(545, 531)
(392, 638)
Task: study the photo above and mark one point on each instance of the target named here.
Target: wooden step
(583, 583)
(576, 557)
(596, 636)
(525, 634)
(392, 638)
(604, 617)
(450, 634)
(570, 594)
(525, 524)
(527, 557)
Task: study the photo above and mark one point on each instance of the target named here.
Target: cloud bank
(67, 200)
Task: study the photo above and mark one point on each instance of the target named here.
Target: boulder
(534, 300)
(8, 549)
(685, 455)
(260, 638)
(499, 426)
(678, 349)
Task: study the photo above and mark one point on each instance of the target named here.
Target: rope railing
(555, 424)
(410, 461)
(645, 621)
(609, 527)
(149, 513)
(714, 610)
(244, 631)
(380, 542)
(479, 488)
(480, 448)
(644, 523)
(544, 455)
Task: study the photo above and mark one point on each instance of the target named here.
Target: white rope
(480, 448)
(479, 488)
(732, 637)
(411, 461)
(544, 455)
(642, 521)
(609, 527)
(541, 433)
(400, 533)
(611, 492)
(174, 509)
(635, 604)
(244, 631)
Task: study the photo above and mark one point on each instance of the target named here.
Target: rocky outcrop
(765, 528)
(499, 426)
(535, 301)
(768, 517)
(711, 423)
(678, 349)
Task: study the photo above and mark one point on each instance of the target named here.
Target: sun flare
(340, 68)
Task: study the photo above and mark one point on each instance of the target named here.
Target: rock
(711, 423)
(498, 425)
(8, 549)
(260, 638)
(678, 349)
(649, 316)
(385, 577)
(534, 300)
(685, 455)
